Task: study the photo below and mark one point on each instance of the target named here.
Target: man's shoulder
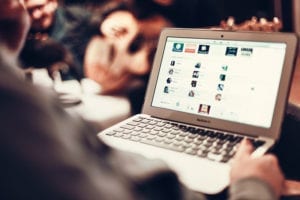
(15, 88)
(74, 12)
(70, 20)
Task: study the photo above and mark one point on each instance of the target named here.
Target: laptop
(207, 91)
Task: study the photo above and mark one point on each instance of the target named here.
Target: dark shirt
(71, 29)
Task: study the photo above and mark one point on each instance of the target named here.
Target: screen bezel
(274, 131)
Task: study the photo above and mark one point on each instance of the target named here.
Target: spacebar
(170, 147)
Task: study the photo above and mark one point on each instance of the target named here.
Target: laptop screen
(223, 79)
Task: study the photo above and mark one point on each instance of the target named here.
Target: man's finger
(245, 149)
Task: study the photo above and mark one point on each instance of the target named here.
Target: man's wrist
(251, 188)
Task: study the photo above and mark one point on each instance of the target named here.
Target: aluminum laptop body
(231, 82)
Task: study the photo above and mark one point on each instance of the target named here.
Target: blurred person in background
(120, 55)
(57, 37)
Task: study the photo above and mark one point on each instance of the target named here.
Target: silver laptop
(207, 91)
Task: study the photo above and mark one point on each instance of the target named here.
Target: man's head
(14, 24)
(42, 13)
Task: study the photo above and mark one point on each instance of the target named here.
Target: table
(101, 111)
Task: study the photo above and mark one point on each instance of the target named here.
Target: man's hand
(265, 168)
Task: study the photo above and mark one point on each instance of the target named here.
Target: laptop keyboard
(214, 145)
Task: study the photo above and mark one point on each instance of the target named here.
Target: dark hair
(99, 13)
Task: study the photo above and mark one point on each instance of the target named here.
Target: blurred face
(119, 29)
(129, 42)
(41, 13)
(14, 24)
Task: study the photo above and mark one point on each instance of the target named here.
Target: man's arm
(255, 178)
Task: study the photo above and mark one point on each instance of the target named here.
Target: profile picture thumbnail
(166, 89)
(196, 74)
(231, 51)
(220, 87)
(203, 49)
(191, 93)
(194, 83)
(198, 65)
(222, 77)
(218, 97)
(178, 47)
(204, 108)
(169, 80)
(224, 68)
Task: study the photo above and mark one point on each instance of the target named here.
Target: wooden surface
(295, 89)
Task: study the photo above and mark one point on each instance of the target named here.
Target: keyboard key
(124, 136)
(145, 130)
(168, 126)
(198, 142)
(151, 137)
(192, 129)
(211, 134)
(142, 125)
(183, 134)
(118, 134)
(137, 119)
(220, 135)
(138, 128)
(150, 127)
(135, 138)
(193, 135)
(179, 138)
(258, 143)
(202, 132)
(214, 157)
(188, 140)
(170, 136)
(162, 134)
(145, 121)
(161, 124)
(159, 139)
(153, 122)
(133, 123)
(166, 130)
(191, 151)
(126, 131)
(110, 133)
(158, 128)
(225, 159)
(168, 141)
(202, 153)
(126, 126)
(171, 147)
(119, 130)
